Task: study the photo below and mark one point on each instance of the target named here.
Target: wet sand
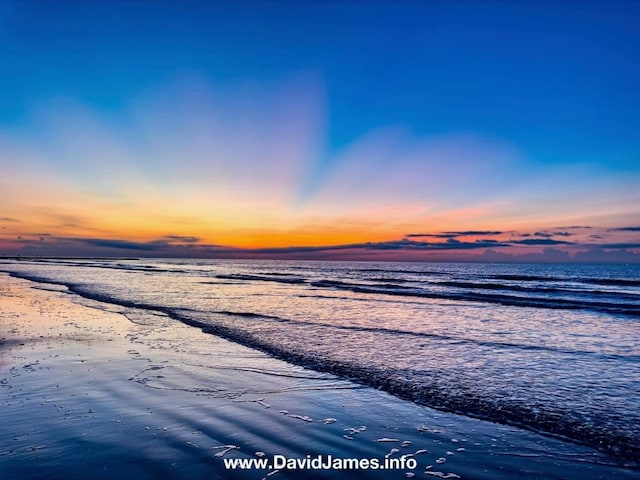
(90, 390)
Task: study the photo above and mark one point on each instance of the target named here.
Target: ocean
(549, 348)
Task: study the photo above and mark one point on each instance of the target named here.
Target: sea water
(550, 348)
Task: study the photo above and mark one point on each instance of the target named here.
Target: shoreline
(616, 445)
(119, 390)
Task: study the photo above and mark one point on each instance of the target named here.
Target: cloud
(598, 245)
(179, 239)
(553, 255)
(166, 244)
(539, 241)
(476, 232)
(546, 234)
(463, 233)
(599, 255)
(174, 150)
(119, 244)
(55, 246)
(625, 229)
(8, 219)
(392, 166)
(548, 255)
(408, 245)
(431, 235)
(260, 157)
(619, 245)
(491, 255)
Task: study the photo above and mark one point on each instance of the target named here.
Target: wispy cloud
(539, 241)
(431, 235)
(476, 232)
(463, 233)
(180, 239)
(625, 229)
(433, 246)
(553, 234)
(627, 245)
(118, 244)
(248, 166)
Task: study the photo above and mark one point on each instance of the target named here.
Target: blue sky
(539, 73)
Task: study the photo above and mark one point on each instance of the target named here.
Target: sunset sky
(489, 131)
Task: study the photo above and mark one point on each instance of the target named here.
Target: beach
(95, 390)
(319, 239)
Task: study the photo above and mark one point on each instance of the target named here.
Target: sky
(504, 131)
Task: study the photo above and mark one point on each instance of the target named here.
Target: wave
(435, 391)
(424, 387)
(279, 274)
(109, 265)
(566, 298)
(263, 278)
(388, 280)
(526, 278)
(507, 300)
(434, 336)
(622, 282)
(520, 288)
(613, 281)
(353, 286)
(406, 272)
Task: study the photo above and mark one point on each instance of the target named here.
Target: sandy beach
(319, 239)
(91, 390)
